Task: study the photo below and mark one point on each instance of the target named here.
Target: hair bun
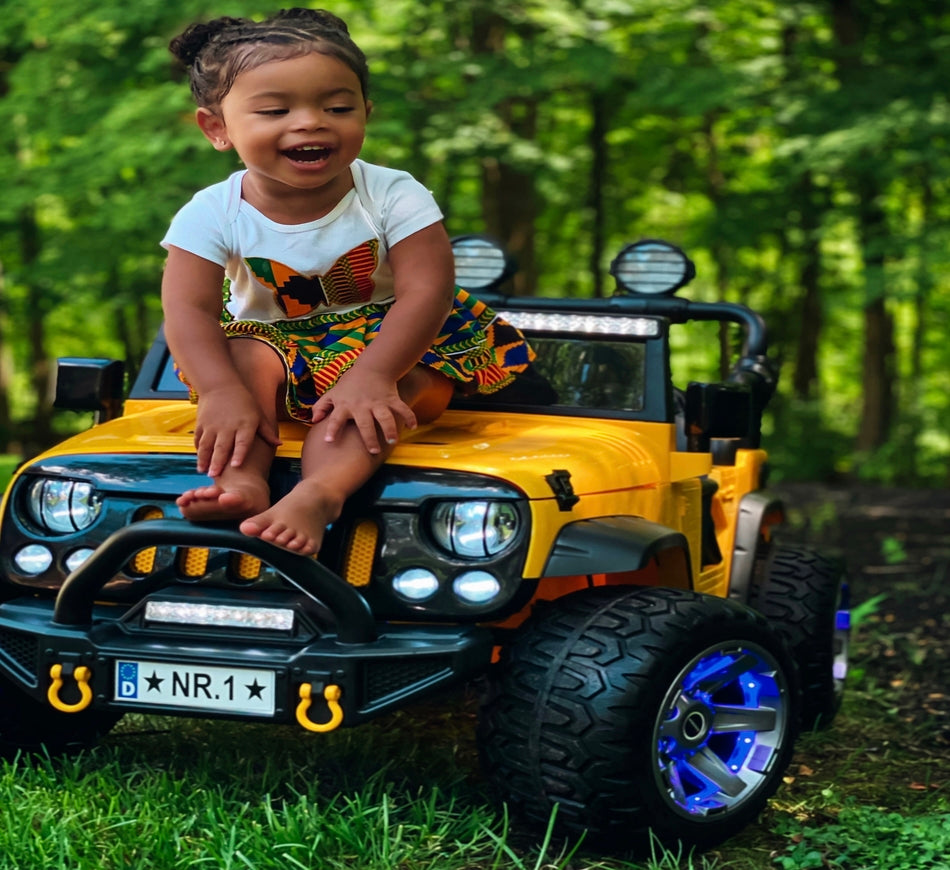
(310, 18)
(189, 44)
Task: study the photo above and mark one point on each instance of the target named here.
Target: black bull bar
(370, 667)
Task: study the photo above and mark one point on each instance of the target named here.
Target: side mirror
(90, 385)
(716, 411)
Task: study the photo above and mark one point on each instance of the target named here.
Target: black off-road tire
(805, 597)
(31, 727)
(601, 708)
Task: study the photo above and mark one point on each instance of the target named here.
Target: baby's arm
(229, 416)
(424, 283)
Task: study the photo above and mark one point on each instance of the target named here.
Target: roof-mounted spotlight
(651, 267)
(481, 263)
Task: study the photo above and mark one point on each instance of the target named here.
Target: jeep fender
(608, 545)
(757, 510)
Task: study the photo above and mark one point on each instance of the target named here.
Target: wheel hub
(692, 726)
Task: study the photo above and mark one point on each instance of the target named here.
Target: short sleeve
(202, 226)
(403, 206)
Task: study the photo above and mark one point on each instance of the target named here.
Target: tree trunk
(716, 191)
(509, 203)
(877, 370)
(597, 138)
(877, 373)
(805, 376)
(6, 375)
(39, 431)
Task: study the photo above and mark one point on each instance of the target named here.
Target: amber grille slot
(192, 562)
(244, 567)
(360, 553)
(143, 562)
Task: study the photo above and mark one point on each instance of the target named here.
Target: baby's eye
(272, 112)
(340, 110)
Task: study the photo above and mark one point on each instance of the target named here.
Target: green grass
(163, 793)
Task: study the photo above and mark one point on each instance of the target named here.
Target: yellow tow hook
(82, 675)
(332, 696)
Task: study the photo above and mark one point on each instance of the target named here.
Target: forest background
(797, 150)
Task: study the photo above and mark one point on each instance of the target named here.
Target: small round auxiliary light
(33, 559)
(480, 262)
(652, 267)
(77, 557)
(476, 587)
(416, 584)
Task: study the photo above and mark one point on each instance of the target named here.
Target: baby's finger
(270, 433)
(366, 424)
(222, 453)
(320, 409)
(335, 421)
(204, 445)
(407, 415)
(387, 425)
(243, 439)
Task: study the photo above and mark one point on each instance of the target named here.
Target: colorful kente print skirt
(476, 348)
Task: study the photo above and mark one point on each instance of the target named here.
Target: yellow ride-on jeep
(591, 541)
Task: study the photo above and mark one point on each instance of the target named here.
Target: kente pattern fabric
(349, 281)
(476, 348)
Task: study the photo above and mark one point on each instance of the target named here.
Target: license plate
(249, 691)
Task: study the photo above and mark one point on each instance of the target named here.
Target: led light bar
(220, 615)
(588, 324)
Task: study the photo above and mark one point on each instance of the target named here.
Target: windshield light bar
(588, 324)
(220, 615)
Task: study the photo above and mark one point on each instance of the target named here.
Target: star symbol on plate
(154, 682)
(254, 689)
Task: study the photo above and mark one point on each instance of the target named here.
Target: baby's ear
(369, 108)
(214, 129)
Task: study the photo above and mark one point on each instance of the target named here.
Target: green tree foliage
(796, 149)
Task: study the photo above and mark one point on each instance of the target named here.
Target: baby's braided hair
(217, 51)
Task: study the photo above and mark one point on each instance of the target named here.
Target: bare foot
(298, 521)
(214, 502)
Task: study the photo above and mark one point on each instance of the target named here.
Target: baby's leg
(243, 491)
(334, 470)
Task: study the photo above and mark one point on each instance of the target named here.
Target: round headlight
(33, 559)
(416, 584)
(63, 506)
(475, 529)
(476, 587)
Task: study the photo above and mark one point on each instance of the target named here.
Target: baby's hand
(373, 404)
(228, 421)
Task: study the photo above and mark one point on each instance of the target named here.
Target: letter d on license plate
(247, 691)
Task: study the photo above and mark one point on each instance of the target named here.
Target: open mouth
(307, 154)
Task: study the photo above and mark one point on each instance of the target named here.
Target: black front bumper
(335, 641)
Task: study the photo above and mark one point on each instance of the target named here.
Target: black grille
(19, 650)
(388, 677)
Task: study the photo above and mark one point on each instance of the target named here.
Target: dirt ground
(897, 546)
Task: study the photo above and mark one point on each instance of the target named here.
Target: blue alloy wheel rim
(719, 729)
